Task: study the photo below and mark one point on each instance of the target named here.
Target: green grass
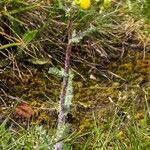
(33, 138)
(118, 132)
(124, 127)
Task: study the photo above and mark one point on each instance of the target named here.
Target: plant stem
(61, 117)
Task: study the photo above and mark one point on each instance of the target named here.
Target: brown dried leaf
(24, 111)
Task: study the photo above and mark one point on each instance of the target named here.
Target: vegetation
(110, 62)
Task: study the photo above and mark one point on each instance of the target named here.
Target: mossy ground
(127, 86)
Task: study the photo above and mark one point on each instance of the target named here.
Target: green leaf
(29, 36)
(39, 61)
(56, 71)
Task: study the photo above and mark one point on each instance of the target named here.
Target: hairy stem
(61, 117)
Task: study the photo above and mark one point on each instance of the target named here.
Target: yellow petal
(85, 4)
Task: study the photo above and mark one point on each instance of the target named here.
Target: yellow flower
(106, 3)
(85, 4)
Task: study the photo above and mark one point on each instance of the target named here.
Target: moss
(133, 69)
(98, 97)
(86, 123)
